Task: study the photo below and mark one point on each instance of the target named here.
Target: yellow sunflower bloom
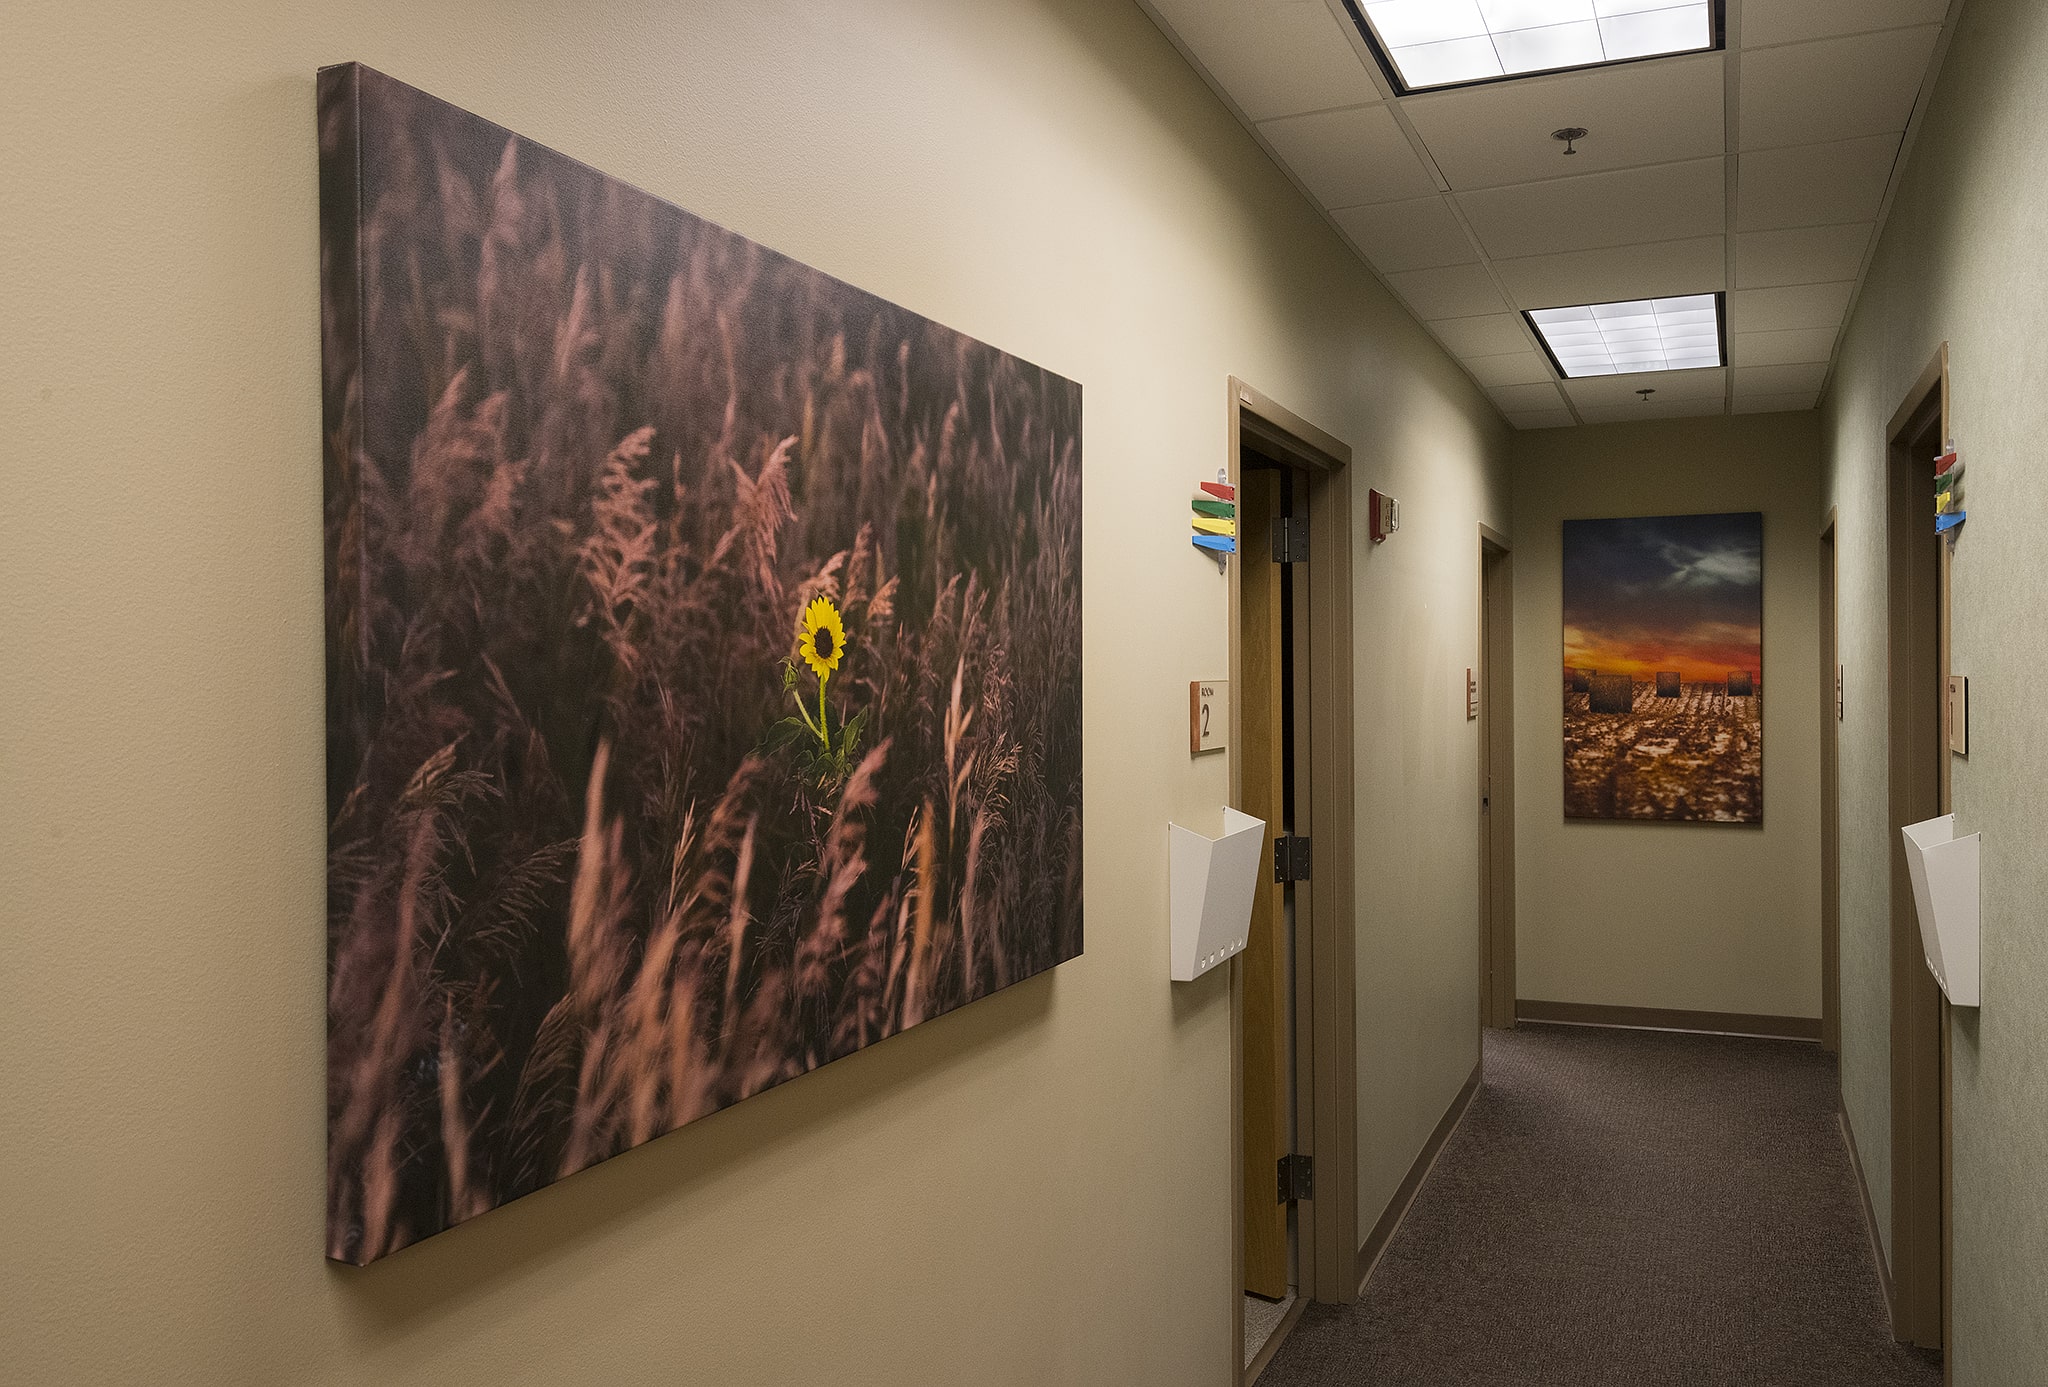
(821, 638)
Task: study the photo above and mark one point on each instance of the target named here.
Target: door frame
(1496, 676)
(1325, 987)
(1830, 790)
(1264, 767)
(1920, 1055)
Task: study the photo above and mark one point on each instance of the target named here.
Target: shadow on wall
(420, 1283)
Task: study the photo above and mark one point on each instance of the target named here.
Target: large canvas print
(704, 665)
(1663, 669)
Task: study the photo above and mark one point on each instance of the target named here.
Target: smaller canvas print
(1663, 668)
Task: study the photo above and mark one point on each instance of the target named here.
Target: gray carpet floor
(1626, 1209)
(1261, 1318)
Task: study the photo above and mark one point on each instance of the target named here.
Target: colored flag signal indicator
(1215, 521)
(1948, 492)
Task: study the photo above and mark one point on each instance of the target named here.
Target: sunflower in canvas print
(821, 638)
(821, 644)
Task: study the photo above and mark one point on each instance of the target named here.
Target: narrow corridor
(1629, 1209)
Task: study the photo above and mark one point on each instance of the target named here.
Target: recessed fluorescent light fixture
(1627, 339)
(1426, 45)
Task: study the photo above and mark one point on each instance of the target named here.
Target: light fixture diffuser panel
(1426, 45)
(1633, 337)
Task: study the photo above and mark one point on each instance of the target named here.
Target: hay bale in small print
(1677, 601)
(1582, 680)
(1612, 693)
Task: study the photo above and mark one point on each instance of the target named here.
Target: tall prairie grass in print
(704, 666)
(1663, 668)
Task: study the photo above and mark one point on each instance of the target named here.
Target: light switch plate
(1208, 715)
(1959, 714)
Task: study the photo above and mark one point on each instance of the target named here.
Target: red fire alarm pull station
(1386, 516)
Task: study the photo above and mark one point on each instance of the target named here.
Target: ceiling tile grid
(1418, 234)
(1757, 171)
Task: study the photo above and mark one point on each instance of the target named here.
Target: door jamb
(1497, 780)
(1830, 791)
(1326, 1060)
(1914, 1319)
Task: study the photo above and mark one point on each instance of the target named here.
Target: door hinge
(1290, 539)
(1297, 1178)
(1290, 858)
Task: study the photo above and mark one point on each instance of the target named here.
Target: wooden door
(1264, 962)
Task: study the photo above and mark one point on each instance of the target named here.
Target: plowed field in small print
(1694, 758)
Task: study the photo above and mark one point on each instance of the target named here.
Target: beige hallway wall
(1692, 917)
(1960, 262)
(1034, 1190)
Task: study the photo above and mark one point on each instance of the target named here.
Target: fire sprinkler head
(1644, 395)
(1570, 135)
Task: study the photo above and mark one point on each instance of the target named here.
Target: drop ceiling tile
(1783, 310)
(1644, 113)
(1833, 89)
(1420, 234)
(1815, 184)
(1496, 334)
(1666, 202)
(1664, 269)
(1635, 414)
(1781, 348)
(1778, 380)
(1461, 291)
(1776, 404)
(1614, 392)
(1526, 399)
(1796, 21)
(1542, 419)
(1274, 58)
(1812, 255)
(1351, 157)
(1655, 409)
(1510, 368)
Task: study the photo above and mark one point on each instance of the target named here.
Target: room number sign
(1208, 715)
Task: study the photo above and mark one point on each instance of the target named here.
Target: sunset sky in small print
(1681, 592)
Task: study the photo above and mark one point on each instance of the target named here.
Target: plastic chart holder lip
(1944, 869)
(1210, 899)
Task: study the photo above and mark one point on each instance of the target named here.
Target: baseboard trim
(1411, 1184)
(1884, 1271)
(1661, 1019)
(1279, 1337)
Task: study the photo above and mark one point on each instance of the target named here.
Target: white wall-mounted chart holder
(1944, 871)
(1213, 882)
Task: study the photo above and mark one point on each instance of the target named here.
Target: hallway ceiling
(1761, 171)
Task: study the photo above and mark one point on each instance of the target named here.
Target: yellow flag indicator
(1209, 526)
